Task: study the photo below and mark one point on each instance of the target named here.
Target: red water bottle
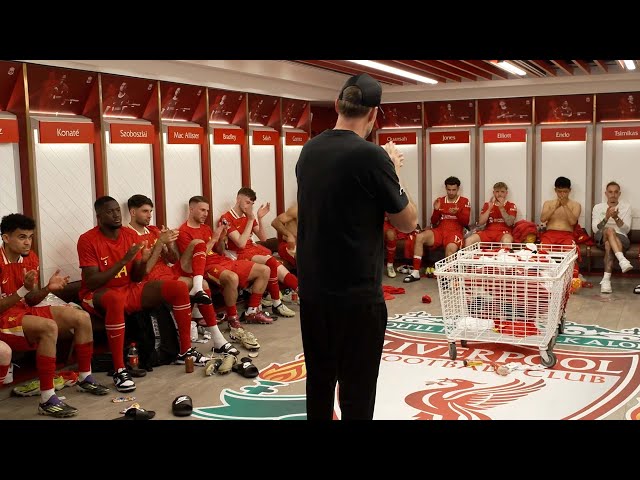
(132, 356)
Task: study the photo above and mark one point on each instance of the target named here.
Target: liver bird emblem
(460, 399)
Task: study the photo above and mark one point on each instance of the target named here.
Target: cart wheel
(463, 343)
(561, 326)
(547, 359)
(452, 351)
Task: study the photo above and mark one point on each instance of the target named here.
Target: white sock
(606, 276)
(45, 395)
(415, 273)
(277, 303)
(83, 375)
(389, 265)
(620, 256)
(252, 310)
(216, 334)
(197, 284)
(195, 313)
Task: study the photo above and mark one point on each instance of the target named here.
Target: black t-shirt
(345, 186)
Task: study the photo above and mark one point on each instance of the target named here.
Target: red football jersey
(495, 221)
(151, 234)
(188, 233)
(453, 221)
(237, 224)
(96, 250)
(12, 273)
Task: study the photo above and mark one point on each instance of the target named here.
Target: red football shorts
(443, 237)
(399, 235)
(242, 268)
(11, 325)
(493, 235)
(559, 237)
(168, 273)
(250, 252)
(132, 295)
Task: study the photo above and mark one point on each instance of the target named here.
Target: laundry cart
(506, 293)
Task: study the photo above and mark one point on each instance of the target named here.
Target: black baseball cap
(369, 86)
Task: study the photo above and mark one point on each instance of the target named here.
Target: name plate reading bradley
(228, 136)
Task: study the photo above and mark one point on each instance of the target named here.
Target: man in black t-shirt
(345, 186)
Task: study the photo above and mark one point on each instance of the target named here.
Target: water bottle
(132, 356)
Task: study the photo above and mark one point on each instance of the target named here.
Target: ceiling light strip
(511, 68)
(394, 70)
(629, 64)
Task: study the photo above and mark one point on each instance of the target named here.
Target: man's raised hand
(397, 157)
(57, 282)
(30, 278)
(133, 251)
(264, 209)
(168, 236)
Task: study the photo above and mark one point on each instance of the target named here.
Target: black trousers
(342, 344)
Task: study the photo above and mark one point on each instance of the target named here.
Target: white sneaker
(9, 377)
(198, 359)
(605, 286)
(391, 273)
(283, 310)
(625, 265)
(289, 296)
(267, 301)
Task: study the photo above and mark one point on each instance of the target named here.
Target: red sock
(83, 353)
(273, 287)
(290, 281)
(391, 250)
(199, 259)
(176, 294)
(232, 310)
(113, 304)
(208, 312)
(417, 262)
(254, 299)
(46, 367)
(3, 372)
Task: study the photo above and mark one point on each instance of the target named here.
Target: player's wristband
(22, 291)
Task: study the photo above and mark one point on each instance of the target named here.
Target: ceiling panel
(456, 71)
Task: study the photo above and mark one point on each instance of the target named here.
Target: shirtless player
(561, 215)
